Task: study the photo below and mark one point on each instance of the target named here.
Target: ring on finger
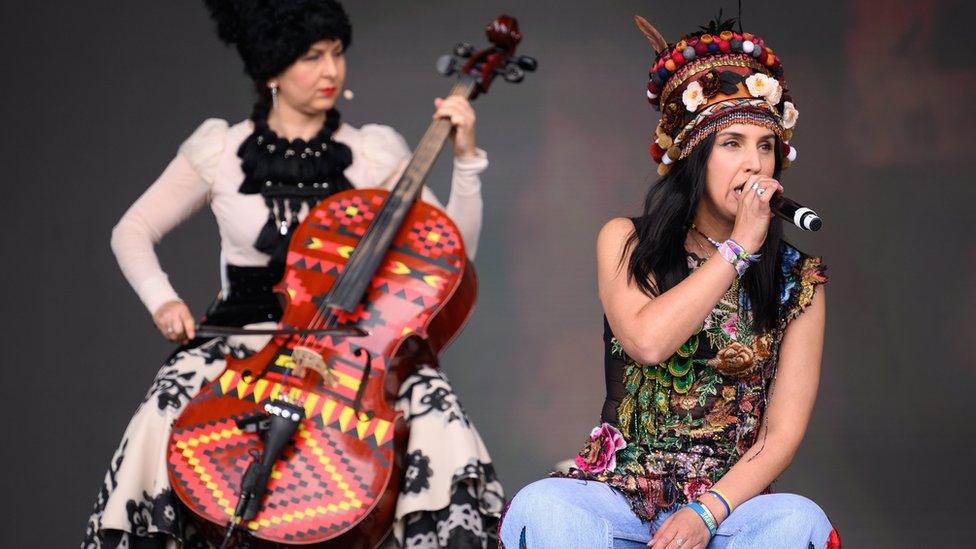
(679, 542)
(760, 191)
(755, 185)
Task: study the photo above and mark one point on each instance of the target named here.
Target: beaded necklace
(289, 174)
(714, 243)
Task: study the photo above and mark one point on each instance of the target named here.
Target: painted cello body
(344, 463)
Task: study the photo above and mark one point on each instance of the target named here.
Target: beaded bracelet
(706, 517)
(721, 497)
(737, 256)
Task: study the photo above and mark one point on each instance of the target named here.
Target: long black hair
(659, 260)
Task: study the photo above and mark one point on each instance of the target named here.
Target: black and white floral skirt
(449, 494)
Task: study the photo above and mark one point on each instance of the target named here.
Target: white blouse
(207, 170)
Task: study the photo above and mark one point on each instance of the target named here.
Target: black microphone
(795, 213)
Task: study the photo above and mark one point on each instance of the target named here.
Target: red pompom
(724, 46)
(701, 49)
(678, 58)
(657, 153)
(833, 542)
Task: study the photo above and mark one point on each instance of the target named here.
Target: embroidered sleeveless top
(671, 430)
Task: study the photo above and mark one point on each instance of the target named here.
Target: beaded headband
(710, 80)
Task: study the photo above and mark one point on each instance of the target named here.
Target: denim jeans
(567, 513)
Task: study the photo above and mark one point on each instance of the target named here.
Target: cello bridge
(307, 358)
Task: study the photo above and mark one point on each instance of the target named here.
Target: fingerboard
(351, 284)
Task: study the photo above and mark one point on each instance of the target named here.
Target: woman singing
(713, 329)
(260, 177)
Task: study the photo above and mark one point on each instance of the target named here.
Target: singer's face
(739, 152)
(314, 81)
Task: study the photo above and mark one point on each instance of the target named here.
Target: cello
(299, 444)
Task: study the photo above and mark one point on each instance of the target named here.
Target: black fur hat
(271, 34)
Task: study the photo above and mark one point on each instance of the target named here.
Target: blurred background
(98, 95)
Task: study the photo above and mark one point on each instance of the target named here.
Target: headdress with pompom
(712, 79)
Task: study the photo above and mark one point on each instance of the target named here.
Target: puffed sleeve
(182, 189)
(388, 154)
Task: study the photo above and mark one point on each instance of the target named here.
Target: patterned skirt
(449, 494)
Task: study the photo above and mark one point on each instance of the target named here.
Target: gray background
(98, 95)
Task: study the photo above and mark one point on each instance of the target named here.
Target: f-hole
(357, 404)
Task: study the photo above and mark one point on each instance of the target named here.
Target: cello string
(383, 217)
(391, 207)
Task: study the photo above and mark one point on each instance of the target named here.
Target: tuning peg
(463, 49)
(447, 65)
(528, 63)
(513, 74)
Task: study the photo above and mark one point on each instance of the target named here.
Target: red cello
(299, 443)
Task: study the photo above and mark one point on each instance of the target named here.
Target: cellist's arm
(464, 205)
(182, 189)
(177, 193)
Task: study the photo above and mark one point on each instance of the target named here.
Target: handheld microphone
(795, 213)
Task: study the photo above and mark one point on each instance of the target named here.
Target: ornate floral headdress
(712, 79)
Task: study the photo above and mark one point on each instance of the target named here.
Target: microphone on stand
(795, 213)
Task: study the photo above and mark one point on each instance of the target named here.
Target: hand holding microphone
(762, 197)
(754, 213)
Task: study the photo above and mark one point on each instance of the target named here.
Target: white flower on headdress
(758, 84)
(693, 96)
(775, 93)
(761, 85)
(790, 114)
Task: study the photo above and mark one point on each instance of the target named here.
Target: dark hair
(659, 259)
(271, 34)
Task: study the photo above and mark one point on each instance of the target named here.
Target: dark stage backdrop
(98, 95)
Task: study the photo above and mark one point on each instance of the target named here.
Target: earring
(347, 94)
(274, 96)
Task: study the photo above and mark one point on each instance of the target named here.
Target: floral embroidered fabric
(687, 420)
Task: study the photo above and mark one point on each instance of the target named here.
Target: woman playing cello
(260, 177)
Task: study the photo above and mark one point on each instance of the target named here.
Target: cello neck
(351, 284)
(412, 181)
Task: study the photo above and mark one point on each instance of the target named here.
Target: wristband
(721, 498)
(706, 516)
(737, 256)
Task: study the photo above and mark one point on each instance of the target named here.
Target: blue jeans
(567, 513)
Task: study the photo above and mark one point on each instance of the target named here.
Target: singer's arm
(650, 329)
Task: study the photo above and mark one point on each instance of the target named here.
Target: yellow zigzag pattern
(231, 385)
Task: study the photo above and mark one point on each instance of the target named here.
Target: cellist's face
(314, 81)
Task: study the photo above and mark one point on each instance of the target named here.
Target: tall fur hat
(271, 34)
